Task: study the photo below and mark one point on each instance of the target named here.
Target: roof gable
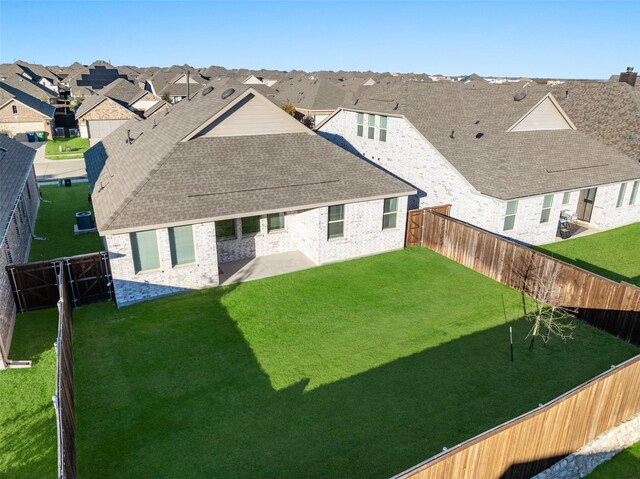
(251, 114)
(545, 115)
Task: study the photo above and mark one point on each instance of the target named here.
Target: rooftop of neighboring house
(94, 77)
(30, 87)
(123, 91)
(8, 93)
(36, 71)
(189, 165)
(469, 125)
(90, 102)
(16, 161)
(609, 111)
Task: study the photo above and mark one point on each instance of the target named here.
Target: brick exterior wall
(15, 249)
(407, 154)
(305, 231)
(107, 110)
(26, 119)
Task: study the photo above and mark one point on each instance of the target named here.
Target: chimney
(629, 76)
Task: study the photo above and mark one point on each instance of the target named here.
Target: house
(36, 90)
(19, 200)
(130, 96)
(21, 113)
(92, 79)
(99, 115)
(174, 84)
(227, 177)
(506, 157)
(39, 74)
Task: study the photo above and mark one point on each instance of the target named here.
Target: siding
(545, 116)
(253, 116)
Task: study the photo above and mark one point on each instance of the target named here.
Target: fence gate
(35, 286)
(416, 222)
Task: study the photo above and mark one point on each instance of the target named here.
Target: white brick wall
(305, 231)
(407, 154)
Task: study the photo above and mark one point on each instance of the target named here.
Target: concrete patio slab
(55, 169)
(263, 267)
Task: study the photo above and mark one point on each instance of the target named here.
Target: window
(181, 244)
(360, 124)
(250, 225)
(566, 198)
(225, 229)
(623, 190)
(371, 134)
(510, 215)
(336, 222)
(390, 213)
(382, 134)
(634, 192)
(14, 109)
(546, 208)
(275, 222)
(144, 246)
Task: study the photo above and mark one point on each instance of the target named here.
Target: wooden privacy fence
(35, 285)
(613, 307)
(531, 443)
(63, 401)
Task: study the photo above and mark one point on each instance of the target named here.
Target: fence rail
(63, 401)
(35, 285)
(608, 305)
(529, 444)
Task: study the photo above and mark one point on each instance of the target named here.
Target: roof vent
(451, 135)
(397, 105)
(207, 90)
(479, 135)
(520, 94)
(356, 102)
(227, 93)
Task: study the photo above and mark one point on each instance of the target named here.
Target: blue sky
(545, 39)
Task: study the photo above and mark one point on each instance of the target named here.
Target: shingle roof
(608, 111)
(7, 92)
(122, 91)
(31, 88)
(16, 161)
(157, 179)
(311, 93)
(500, 164)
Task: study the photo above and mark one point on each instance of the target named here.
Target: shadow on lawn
(170, 391)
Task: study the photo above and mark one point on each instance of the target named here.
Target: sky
(559, 39)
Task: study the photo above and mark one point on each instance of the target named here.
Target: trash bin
(83, 220)
(67, 182)
(31, 136)
(41, 136)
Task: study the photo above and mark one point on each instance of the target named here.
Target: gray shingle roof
(29, 87)
(7, 92)
(500, 164)
(123, 91)
(16, 161)
(159, 180)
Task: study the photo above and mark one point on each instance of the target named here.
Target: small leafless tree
(549, 317)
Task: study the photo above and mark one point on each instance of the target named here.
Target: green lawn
(625, 465)
(55, 221)
(27, 417)
(614, 254)
(357, 369)
(77, 147)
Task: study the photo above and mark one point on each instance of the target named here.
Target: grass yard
(614, 254)
(55, 221)
(357, 369)
(77, 147)
(27, 418)
(625, 465)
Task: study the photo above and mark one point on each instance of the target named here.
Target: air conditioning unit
(568, 215)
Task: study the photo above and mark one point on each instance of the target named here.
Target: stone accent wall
(132, 288)
(15, 249)
(407, 154)
(26, 119)
(601, 449)
(305, 231)
(108, 110)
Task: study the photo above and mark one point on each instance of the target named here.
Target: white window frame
(545, 214)
(634, 192)
(390, 213)
(621, 194)
(330, 222)
(509, 215)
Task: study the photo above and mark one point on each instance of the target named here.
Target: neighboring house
(21, 113)
(506, 157)
(30, 87)
(130, 96)
(255, 80)
(92, 78)
(40, 75)
(157, 110)
(19, 200)
(175, 85)
(99, 115)
(228, 176)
